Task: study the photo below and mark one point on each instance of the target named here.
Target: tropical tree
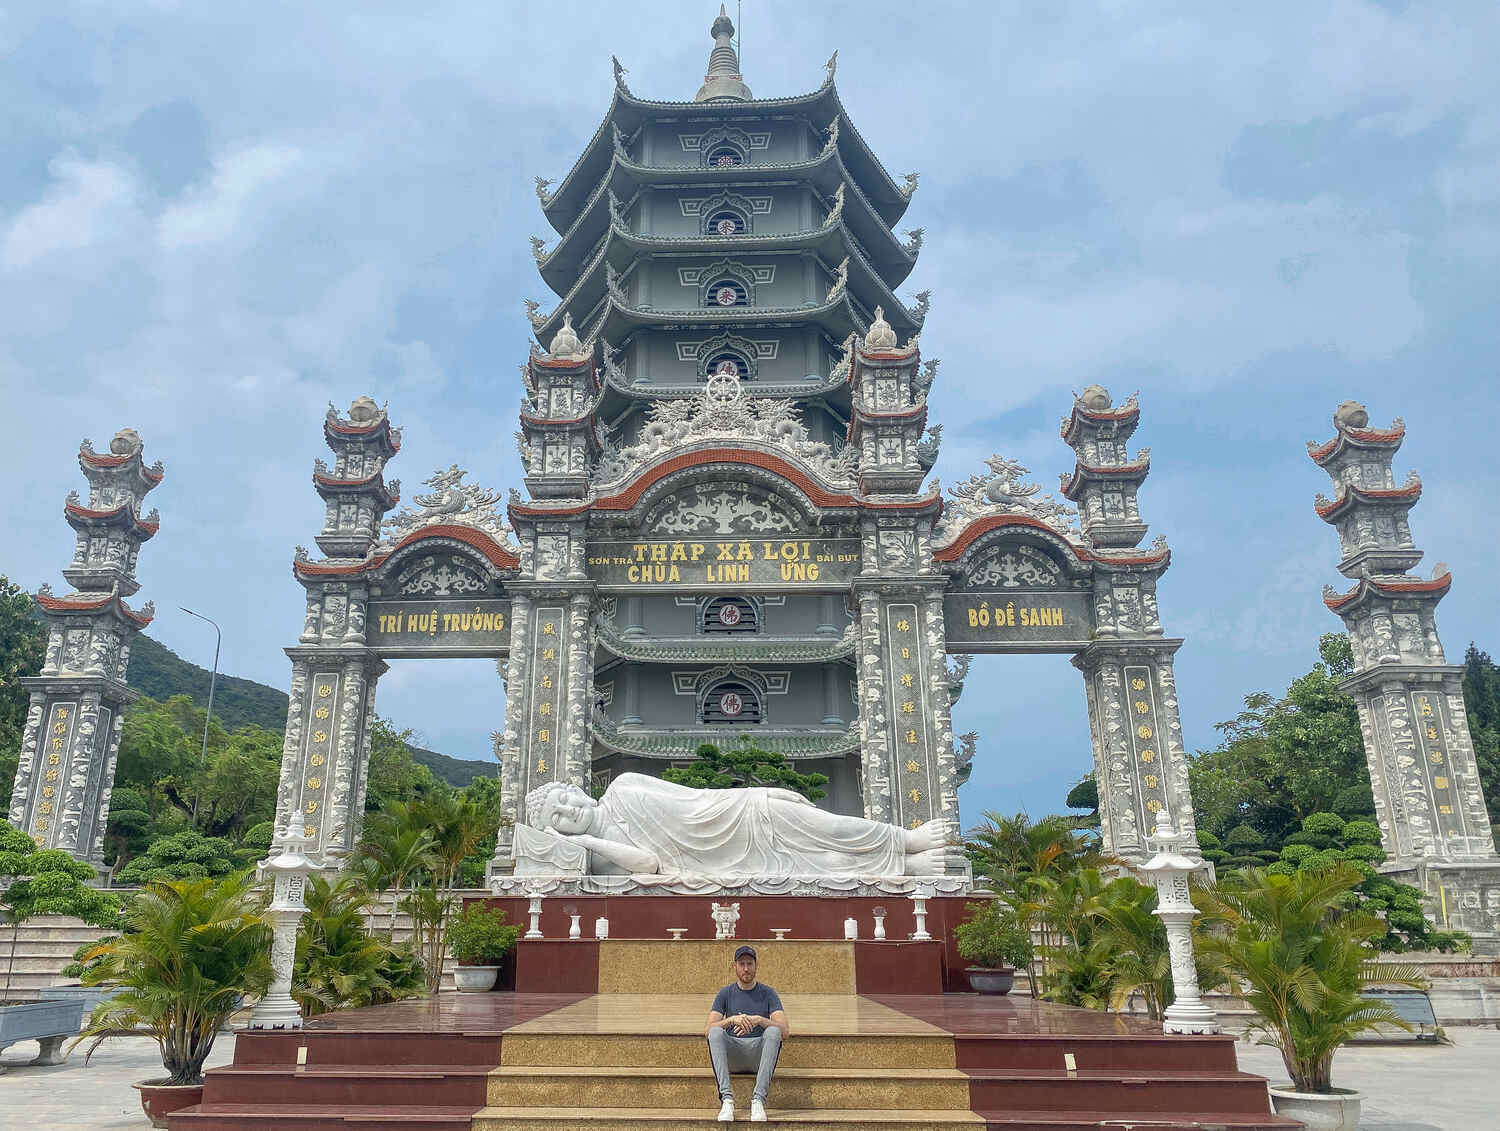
(190, 952)
(1305, 960)
(398, 848)
(1482, 698)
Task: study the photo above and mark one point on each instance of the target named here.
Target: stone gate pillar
(549, 696)
(71, 741)
(1434, 826)
(1140, 763)
(331, 703)
(1139, 760)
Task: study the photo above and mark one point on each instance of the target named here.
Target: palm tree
(1023, 859)
(400, 847)
(1306, 959)
(339, 963)
(190, 952)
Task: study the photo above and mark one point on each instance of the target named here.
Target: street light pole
(212, 680)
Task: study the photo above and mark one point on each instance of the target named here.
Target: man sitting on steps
(745, 1029)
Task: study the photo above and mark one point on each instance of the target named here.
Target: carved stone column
(1139, 760)
(908, 767)
(325, 757)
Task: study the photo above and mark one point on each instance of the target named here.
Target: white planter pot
(475, 979)
(1337, 1110)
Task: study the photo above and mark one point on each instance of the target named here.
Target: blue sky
(214, 219)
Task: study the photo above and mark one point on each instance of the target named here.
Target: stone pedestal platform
(877, 967)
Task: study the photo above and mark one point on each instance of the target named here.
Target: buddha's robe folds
(745, 832)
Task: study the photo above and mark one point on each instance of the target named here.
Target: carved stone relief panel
(723, 509)
(440, 575)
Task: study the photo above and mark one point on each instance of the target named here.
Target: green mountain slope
(157, 671)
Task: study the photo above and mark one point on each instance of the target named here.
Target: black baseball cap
(744, 952)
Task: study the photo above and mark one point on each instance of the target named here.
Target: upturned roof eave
(589, 290)
(627, 112)
(564, 257)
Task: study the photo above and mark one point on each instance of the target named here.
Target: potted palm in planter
(480, 939)
(996, 943)
(189, 953)
(1304, 957)
(42, 881)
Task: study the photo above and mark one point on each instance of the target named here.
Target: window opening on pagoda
(728, 363)
(729, 615)
(724, 156)
(731, 702)
(726, 223)
(728, 292)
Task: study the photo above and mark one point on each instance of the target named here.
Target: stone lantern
(288, 871)
(1169, 870)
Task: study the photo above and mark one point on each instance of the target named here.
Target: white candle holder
(601, 928)
(880, 922)
(851, 929)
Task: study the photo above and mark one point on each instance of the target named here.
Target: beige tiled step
(585, 1050)
(700, 966)
(680, 1088)
(701, 1119)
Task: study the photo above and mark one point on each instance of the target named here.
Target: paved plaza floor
(1408, 1086)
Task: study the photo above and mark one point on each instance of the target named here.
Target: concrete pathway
(1408, 1086)
(1411, 1085)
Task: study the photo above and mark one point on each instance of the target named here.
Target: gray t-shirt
(759, 1000)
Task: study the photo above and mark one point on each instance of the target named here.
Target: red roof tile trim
(1413, 491)
(54, 604)
(498, 555)
(984, 525)
(1359, 436)
(85, 512)
(1391, 588)
(632, 494)
(64, 604)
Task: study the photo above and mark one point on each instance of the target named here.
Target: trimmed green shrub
(480, 934)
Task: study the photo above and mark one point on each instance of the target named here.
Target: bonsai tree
(1304, 954)
(991, 937)
(745, 764)
(190, 952)
(46, 881)
(480, 935)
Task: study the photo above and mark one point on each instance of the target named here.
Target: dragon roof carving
(452, 502)
(1004, 490)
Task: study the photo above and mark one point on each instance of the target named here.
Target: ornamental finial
(880, 335)
(723, 82)
(566, 343)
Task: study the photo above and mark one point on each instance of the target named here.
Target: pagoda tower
(73, 724)
(1434, 826)
(745, 246)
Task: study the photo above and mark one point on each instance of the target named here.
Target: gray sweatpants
(729, 1053)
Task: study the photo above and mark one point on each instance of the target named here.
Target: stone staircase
(43, 946)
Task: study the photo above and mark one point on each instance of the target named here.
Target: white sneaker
(726, 1112)
(757, 1111)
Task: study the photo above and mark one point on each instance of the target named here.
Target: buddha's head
(561, 807)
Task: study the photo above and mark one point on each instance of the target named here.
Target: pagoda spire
(723, 83)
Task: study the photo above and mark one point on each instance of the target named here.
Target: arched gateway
(729, 527)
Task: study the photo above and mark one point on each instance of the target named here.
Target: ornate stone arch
(721, 137)
(436, 566)
(728, 343)
(729, 200)
(735, 679)
(712, 276)
(764, 502)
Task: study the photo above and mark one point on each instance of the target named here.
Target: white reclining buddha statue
(645, 826)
